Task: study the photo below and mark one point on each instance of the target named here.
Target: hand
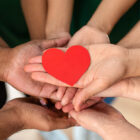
(88, 35)
(85, 36)
(29, 114)
(14, 70)
(67, 94)
(128, 88)
(107, 122)
(105, 69)
(101, 118)
(60, 36)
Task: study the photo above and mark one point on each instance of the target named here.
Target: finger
(90, 103)
(74, 114)
(60, 92)
(67, 108)
(69, 94)
(82, 96)
(46, 78)
(37, 59)
(48, 90)
(54, 96)
(34, 68)
(60, 42)
(119, 89)
(58, 105)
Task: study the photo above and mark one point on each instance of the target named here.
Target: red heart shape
(66, 66)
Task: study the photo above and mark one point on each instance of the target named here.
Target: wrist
(133, 67)
(121, 131)
(106, 28)
(9, 123)
(4, 61)
(57, 35)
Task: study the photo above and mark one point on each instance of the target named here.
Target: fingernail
(43, 101)
(63, 102)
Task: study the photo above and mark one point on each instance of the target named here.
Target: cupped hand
(108, 66)
(101, 118)
(18, 58)
(31, 115)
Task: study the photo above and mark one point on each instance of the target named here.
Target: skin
(93, 32)
(123, 88)
(58, 26)
(12, 69)
(102, 73)
(107, 122)
(34, 116)
(46, 12)
(126, 87)
(108, 14)
(35, 13)
(66, 94)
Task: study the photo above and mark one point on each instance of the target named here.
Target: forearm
(8, 124)
(121, 132)
(132, 39)
(59, 16)
(4, 53)
(108, 13)
(35, 12)
(133, 63)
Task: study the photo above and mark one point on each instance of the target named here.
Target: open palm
(108, 65)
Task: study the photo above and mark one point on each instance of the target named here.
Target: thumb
(83, 95)
(74, 114)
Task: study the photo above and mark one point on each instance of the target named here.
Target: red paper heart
(66, 66)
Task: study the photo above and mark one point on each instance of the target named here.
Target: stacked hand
(85, 36)
(109, 65)
(105, 70)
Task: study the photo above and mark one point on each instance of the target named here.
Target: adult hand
(14, 72)
(88, 35)
(105, 69)
(107, 122)
(27, 113)
(128, 88)
(85, 36)
(100, 118)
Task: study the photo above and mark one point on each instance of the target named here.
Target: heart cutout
(67, 66)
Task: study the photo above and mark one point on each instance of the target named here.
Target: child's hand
(88, 35)
(109, 64)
